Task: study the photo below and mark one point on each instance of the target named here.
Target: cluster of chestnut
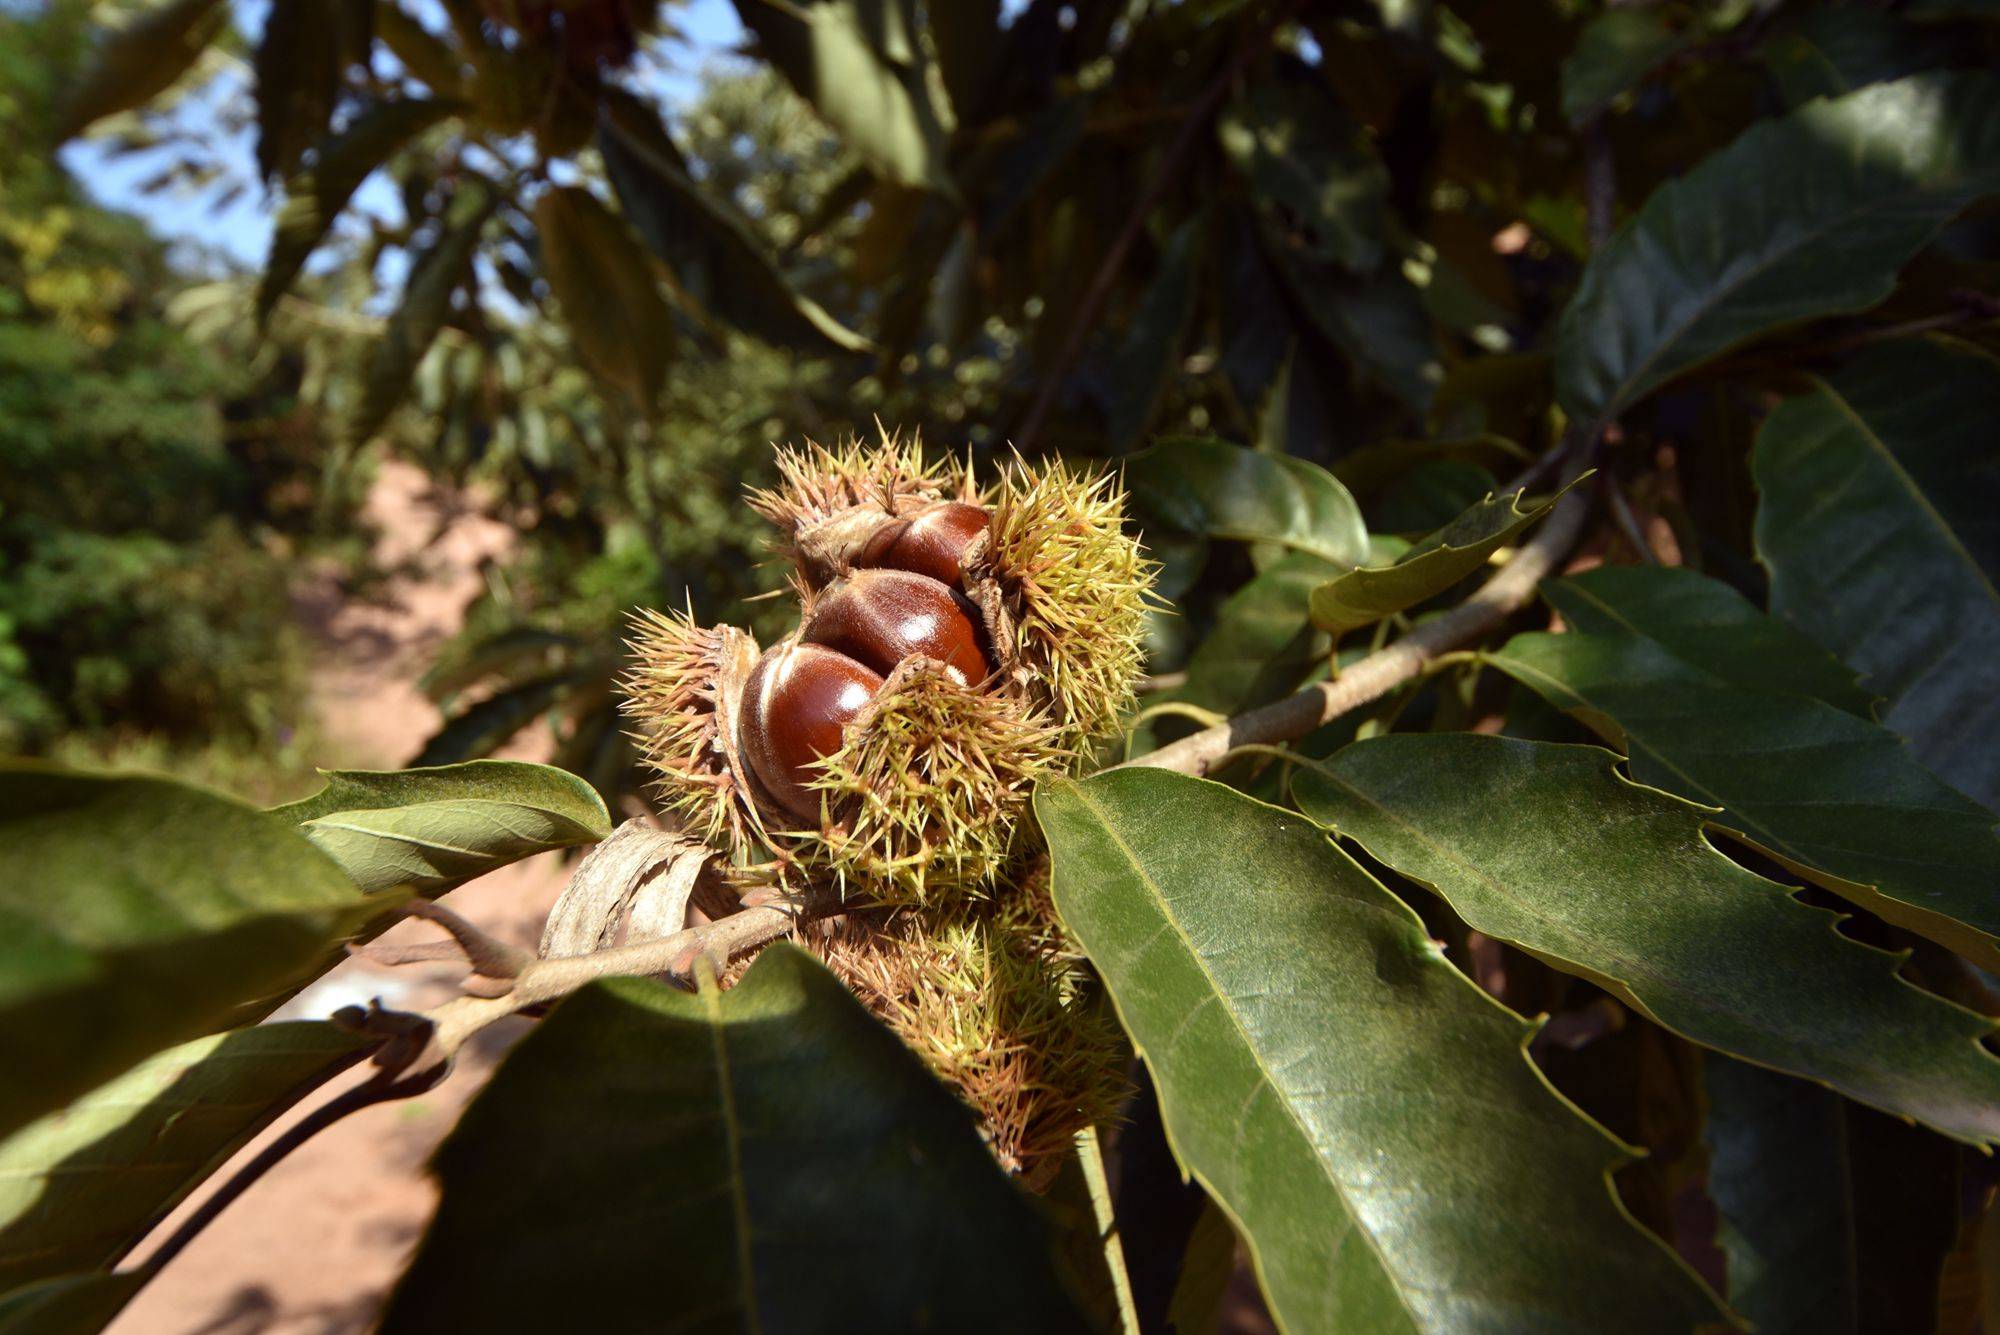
(902, 599)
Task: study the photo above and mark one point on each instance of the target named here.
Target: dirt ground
(313, 1247)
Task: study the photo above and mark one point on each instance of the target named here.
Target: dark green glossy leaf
(136, 913)
(1839, 48)
(610, 300)
(1711, 626)
(1879, 517)
(1300, 151)
(1263, 644)
(1777, 1171)
(861, 66)
(1368, 1117)
(1550, 848)
(1203, 485)
(435, 277)
(1804, 216)
(80, 1186)
(430, 829)
(314, 198)
(767, 1158)
(1148, 359)
(1378, 321)
(132, 65)
(1364, 596)
(71, 1305)
(1614, 52)
(1834, 797)
(713, 253)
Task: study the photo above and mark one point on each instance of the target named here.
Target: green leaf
(1148, 359)
(766, 1158)
(1263, 644)
(431, 829)
(81, 1186)
(1206, 1269)
(1379, 322)
(1840, 48)
(1833, 797)
(1709, 625)
(71, 1305)
(860, 65)
(1366, 595)
(710, 248)
(1777, 1172)
(1368, 1117)
(1615, 51)
(1804, 216)
(314, 198)
(1550, 848)
(610, 300)
(136, 913)
(1203, 485)
(136, 63)
(420, 315)
(1879, 517)
(485, 726)
(298, 65)
(1298, 150)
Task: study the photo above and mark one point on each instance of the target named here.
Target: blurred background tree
(503, 250)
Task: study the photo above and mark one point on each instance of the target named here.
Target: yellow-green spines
(1075, 585)
(1003, 1019)
(818, 482)
(931, 787)
(677, 696)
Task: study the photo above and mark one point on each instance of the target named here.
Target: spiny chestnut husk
(955, 645)
(1001, 1013)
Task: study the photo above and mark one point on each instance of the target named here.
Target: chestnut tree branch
(1374, 676)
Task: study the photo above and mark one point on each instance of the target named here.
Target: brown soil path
(313, 1248)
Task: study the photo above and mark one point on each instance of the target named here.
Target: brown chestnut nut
(881, 617)
(798, 702)
(931, 542)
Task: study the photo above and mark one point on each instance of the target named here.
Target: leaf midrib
(1215, 989)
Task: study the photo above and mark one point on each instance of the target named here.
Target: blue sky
(241, 231)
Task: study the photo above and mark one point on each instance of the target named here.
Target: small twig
(1161, 681)
(1625, 517)
(1091, 307)
(1374, 676)
(488, 954)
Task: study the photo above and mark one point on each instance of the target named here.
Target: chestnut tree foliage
(1612, 949)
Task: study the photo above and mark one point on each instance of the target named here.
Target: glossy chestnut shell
(799, 700)
(931, 542)
(881, 617)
